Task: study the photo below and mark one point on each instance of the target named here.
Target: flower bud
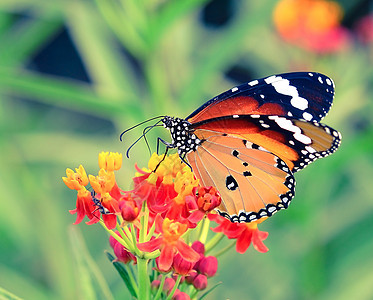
(200, 282)
(199, 247)
(182, 266)
(155, 284)
(208, 266)
(129, 209)
(178, 295)
(190, 277)
(168, 284)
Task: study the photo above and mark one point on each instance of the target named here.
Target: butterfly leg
(185, 162)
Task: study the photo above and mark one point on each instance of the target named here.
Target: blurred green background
(74, 74)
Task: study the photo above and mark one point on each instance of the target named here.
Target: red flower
(208, 198)
(120, 252)
(85, 207)
(169, 243)
(364, 29)
(150, 188)
(112, 209)
(245, 233)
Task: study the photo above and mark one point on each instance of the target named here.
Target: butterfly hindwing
(300, 95)
(253, 183)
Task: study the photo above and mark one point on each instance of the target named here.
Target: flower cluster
(312, 24)
(163, 222)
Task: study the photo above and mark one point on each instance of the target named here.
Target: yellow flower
(110, 161)
(76, 180)
(104, 182)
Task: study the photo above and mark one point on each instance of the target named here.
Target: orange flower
(311, 24)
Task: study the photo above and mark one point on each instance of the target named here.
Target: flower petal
(186, 251)
(166, 257)
(150, 246)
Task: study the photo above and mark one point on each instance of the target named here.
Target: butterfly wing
(300, 95)
(251, 158)
(296, 142)
(253, 183)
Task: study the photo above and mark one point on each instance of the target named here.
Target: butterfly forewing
(301, 95)
(253, 183)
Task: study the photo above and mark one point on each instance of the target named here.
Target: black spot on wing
(231, 183)
(247, 173)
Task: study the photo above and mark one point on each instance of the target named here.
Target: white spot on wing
(235, 89)
(299, 102)
(235, 116)
(283, 87)
(307, 116)
(254, 82)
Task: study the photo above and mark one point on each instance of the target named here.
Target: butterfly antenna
(146, 140)
(151, 119)
(146, 130)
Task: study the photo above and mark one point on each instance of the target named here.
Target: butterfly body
(248, 141)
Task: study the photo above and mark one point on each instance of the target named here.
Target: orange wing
(296, 142)
(253, 183)
(250, 160)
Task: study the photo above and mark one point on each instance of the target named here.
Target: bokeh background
(75, 74)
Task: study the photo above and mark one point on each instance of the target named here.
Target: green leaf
(88, 271)
(210, 290)
(4, 294)
(123, 273)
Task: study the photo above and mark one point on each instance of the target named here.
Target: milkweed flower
(163, 218)
(169, 243)
(245, 233)
(311, 24)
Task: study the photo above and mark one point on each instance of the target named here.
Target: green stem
(129, 236)
(222, 251)
(159, 292)
(213, 242)
(204, 231)
(125, 237)
(125, 243)
(144, 282)
(144, 224)
(174, 288)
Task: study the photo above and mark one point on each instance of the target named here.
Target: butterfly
(248, 141)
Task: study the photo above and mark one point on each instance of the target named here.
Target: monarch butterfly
(249, 140)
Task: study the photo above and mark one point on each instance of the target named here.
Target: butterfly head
(182, 135)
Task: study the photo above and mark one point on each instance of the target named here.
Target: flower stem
(222, 251)
(159, 292)
(204, 231)
(144, 223)
(144, 282)
(174, 288)
(213, 242)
